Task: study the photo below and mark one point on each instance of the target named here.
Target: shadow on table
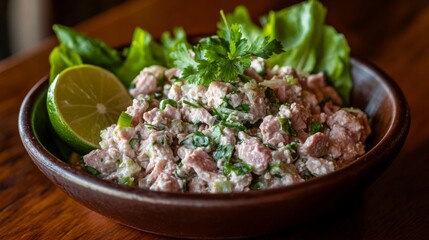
(327, 226)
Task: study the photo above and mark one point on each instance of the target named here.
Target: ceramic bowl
(236, 214)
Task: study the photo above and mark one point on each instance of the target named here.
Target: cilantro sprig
(224, 56)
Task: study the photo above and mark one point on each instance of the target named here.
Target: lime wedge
(83, 100)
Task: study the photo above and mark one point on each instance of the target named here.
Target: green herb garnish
(233, 125)
(287, 127)
(239, 168)
(193, 105)
(125, 120)
(223, 153)
(222, 186)
(164, 103)
(134, 142)
(222, 57)
(156, 127)
(126, 181)
(197, 139)
(315, 127)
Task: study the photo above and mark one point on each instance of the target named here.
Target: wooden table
(393, 34)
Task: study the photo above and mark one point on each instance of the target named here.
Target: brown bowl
(234, 214)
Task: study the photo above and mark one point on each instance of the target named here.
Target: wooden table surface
(392, 34)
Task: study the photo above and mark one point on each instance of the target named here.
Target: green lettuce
(60, 58)
(91, 50)
(299, 28)
(144, 51)
(139, 55)
(170, 44)
(334, 60)
(310, 45)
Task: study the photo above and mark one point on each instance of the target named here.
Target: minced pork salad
(253, 107)
(277, 128)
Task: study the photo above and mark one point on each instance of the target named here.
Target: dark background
(66, 12)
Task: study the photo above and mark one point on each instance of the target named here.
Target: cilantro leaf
(222, 57)
(170, 43)
(182, 58)
(264, 48)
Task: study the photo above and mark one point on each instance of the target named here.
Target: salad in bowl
(248, 131)
(247, 109)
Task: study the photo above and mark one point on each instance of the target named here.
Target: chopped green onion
(217, 133)
(156, 127)
(161, 81)
(164, 103)
(292, 147)
(197, 139)
(315, 127)
(223, 153)
(190, 104)
(200, 140)
(134, 142)
(232, 125)
(276, 169)
(257, 184)
(225, 103)
(222, 186)
(125, 120)
(92, 170)
(291, 80)
(245, 107)
(239, 168)
(287, 127)
(127, 181)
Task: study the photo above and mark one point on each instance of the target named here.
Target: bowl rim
(396, 132)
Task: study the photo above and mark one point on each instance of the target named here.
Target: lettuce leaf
(139, 55)
(170, 44)
(91, 50)
(310, 45)
(144, 52)
(334, 60)
(60, 58)
(299, 28)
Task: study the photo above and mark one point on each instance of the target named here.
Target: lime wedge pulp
(83, 100)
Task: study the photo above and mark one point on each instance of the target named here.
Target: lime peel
(82, 100)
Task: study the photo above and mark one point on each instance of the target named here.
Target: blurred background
(23, 23)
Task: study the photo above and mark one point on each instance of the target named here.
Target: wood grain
(393, 34)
